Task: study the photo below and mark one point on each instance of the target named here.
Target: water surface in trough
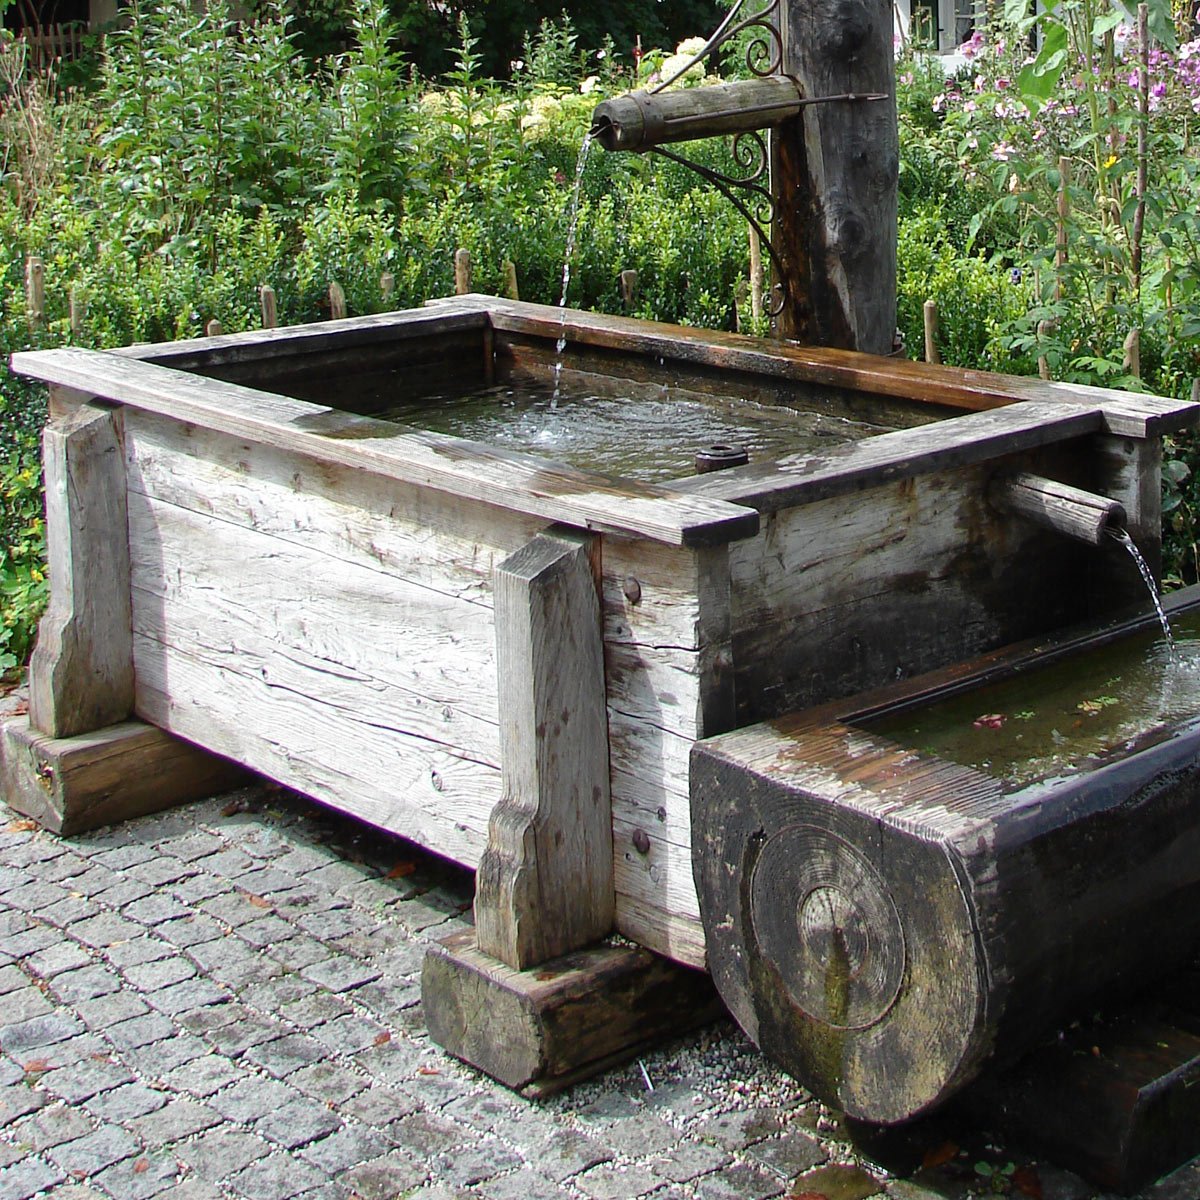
(1069, 716)
(650, 438)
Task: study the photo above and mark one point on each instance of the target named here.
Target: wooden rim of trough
(1002, 415)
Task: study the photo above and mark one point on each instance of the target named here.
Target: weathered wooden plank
(81, 673)
(904, 454)
(366, 692)
(952, 387)
(519, 482)
(431, 539)
(73, 784)
(539, 1031)
(544, 885)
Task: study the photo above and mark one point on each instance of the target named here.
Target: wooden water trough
(510, 660)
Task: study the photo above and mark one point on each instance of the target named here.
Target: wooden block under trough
(543, 1029)
(77, 783)
(1116, 1101)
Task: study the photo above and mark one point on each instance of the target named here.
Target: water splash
(1143, 567)
(572, 230)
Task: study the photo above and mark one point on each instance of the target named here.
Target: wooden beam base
(541, 1030)
(1115, 1100)
(72, 784)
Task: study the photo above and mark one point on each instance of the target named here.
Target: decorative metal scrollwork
(764, 54)
(749, 195)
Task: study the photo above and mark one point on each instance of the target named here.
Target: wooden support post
(1044, 329)
(1064, 211)
(628, 281)
(387, 285)
(35, 291)
(544, 886)
(77, 307)
(81, 673)
(540, 1031)
(214, 328)
(73, 784)
(834, 177)
(932, 354)
(337, 301)
(270, 310)
(511, 290)
(1196, 390)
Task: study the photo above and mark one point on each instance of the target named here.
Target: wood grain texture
(73, 784)
(575, 1016)
(81, 673)
(544, 885)
(519, 482)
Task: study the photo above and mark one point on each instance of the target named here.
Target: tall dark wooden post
(834, 177)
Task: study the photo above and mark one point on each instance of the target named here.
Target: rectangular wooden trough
(507, 659)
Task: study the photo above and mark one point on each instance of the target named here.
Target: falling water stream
(1143, 567)
(572, 229)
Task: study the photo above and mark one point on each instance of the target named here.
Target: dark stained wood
(539, 1031)
(81, 673)
(1115, 1098)
(544, 886)
(882, 922)
(73, 784)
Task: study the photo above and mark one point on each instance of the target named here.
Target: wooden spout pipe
(1058, 506)
(640, 120)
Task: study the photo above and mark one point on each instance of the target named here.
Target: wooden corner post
(76, 761)
(545, 883)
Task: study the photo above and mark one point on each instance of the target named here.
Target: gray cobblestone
(315, 1010)
(25, 1004)
(12, 978)
(346, 1149)
(286, 1054)
(140, 1177)
(203, 1076)
(788, 1154)
(616, 1182)
(149, 977)
(299, 952)
(51, 1126)
(390, 1175)
(161, 870)
(339, 974)
(82, 1080)
(105, 930)
(565, 1153)
(88, 1155)
(197, 888)
(251, 1098)
(238, 1036)
(183, 997)
(156, 909)
(154, 1061)
(38, 1031)
(272, 995)
(139, 1031)
(278, 1177)
(266, 931)
(105, 1011)
(222, 1153)
(379, 1107)
(62, 956)
(86, 983)
(174, 1122)
(297, 1123)
(18, 1100)
(68, 910)
(197, 929)
(521, 1185)
(27, 1178)
(484, 1159)
(194, 845)
(328, 1081)
(142, 949)
(124, 891)
(686, 1160)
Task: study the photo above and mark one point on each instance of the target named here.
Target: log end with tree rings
(720, 457)
(843, 947)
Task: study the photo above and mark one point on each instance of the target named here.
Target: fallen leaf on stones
(939, 1155)
(36, 1066)
(990, 721)
(141, 1166)
(428, 1071)
(20, 709)
(401, 869)
(233, 808)
(382, 1039)
(258, 901)
(21, 826)
(837, 1183)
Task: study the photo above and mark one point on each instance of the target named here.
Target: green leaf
(1038, 81)
(1107, 21)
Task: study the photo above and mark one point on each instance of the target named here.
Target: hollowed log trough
(509, 660)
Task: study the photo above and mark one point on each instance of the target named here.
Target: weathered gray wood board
(73, 784)
(539, 1031)
(544, 886)
(81, 675)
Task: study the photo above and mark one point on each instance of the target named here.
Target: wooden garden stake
(214, 328)
(270, 312)
(387, 285)
(462, 271)
(1132, 361)
(1196, 390)
(510, 280)
(337, 301)
(35, 290)
(77, 304)
(1044, 329)
(628, 283)
(932, 355)
(1143, 118)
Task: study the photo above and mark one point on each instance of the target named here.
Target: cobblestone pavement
(224, 1001)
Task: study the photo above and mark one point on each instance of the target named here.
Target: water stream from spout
(572, 230)
(1143, 567)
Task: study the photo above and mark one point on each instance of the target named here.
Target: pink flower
(1002, 151)
(939, 102)
(1003, 82)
